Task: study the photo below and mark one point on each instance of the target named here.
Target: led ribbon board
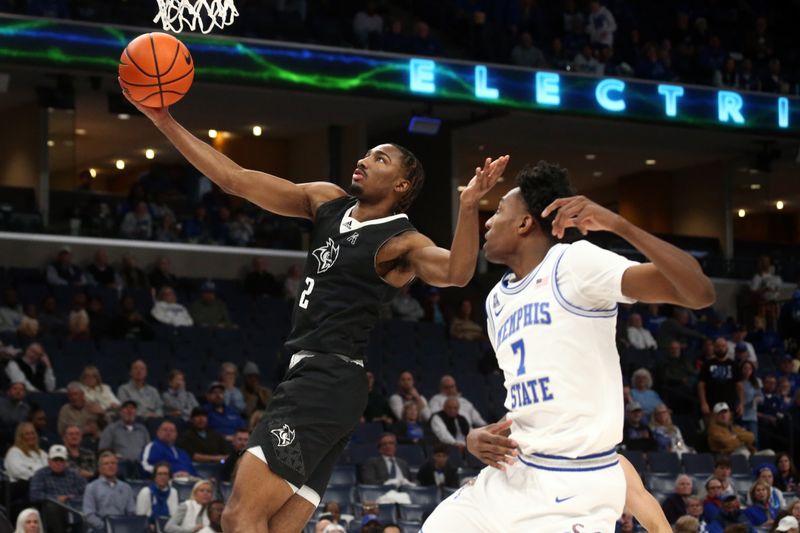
(74, 46)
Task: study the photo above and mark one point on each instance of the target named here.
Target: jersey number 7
(519, 347)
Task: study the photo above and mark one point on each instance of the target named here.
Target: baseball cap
(367, 518)
(721, 406)
(633, 406)
(57, 451)
(787, 523)
(334, 528)
(740, 347)
(251, 369)
(198, 411)
(208, 286)
(215, 385)
(126, 403)
(728, 497)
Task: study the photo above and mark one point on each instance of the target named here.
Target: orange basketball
(156, 69)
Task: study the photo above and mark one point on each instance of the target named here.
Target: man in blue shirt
(222, 418)
(106, 495)
(58, 482)
(163, 449)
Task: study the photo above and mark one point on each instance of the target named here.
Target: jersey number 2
(303, 302)
(519, 347)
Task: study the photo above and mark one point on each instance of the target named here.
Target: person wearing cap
(204, 445)
(788, 524)
(63, 272)
(636, 435)
(370, 524)
(208, 310)
(720, 381)
(148, 401)
(163, 449)
(738, 344)
(222, 418)
(58, 482)
(168, 311)
(256, 396)
(725, 437)
(177, 400)
(126, 437)
(730, 515)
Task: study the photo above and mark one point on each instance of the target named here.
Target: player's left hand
(484, 179)
(582, 213)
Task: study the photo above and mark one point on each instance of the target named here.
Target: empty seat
(409, 526)
(411, 453)
(343, 475)
(414, 512)
(664, 463)
(208, 470)
(740, 465)
(184, 489)
(370, 493)
(636, 458)
(660, 482)
(423, 495)
(342, 494)
(698, 463)
(126, 524)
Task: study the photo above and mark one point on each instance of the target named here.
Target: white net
(194, 15)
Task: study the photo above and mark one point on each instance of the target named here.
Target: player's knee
(238, 518)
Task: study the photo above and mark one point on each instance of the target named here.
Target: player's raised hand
(491, 444)
(153, 113)
(484, 179)
(582, 213)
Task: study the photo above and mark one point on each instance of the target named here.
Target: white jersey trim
(348, 223)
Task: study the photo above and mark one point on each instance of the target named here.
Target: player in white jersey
(552, 323)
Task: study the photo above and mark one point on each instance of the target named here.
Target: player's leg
(468, 510)
(258, 494)
(292, 517)
(642, 505)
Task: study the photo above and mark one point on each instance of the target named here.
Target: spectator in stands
(159, 498)
(177, 400)
(291, 284)
(228, 372)
(97, 392)
(259, 281)
(204, 445)
(386, 467)
(125, 437)
(10, 311)
(377, 409)
(636, 434)
(239, 444)
(129, 323)
(99, 320)
(162, 275)
(694, 509)
(256, 396)
(214, 512)
(28, 521)
(163, 449)
(63, 272)
(785, 393)
(167, 229)
(137, 223)
(406, 307)
(765, 285)
(585, 62)
(133, 277)
(602, 25)
(759, 512)
(79, 459)
(676, 374)
(525, 54)
(198, 228)
(433, 308)
(25, 457)
(463, 327)
(191, 515)
(38, 418)
(712, 505)
(13, 407)
(107, 495)
(643, 393)
(408, 429)
(766, 474)
(667, 435)
(407, 392)
(720, 381)
(774, 81)
(368, 26)
(101, 272)
(727, 75)
(730, 515)
(57, 482)
(148, 401)
(725, 437)
(752, 397)
(738, 338)
(677, 329)
(395, 39)
(33, 368)
(675, 505)
(423, 42)
(638, 336)
(786, 369)
(51, 320)
(78, 319)
(77, 411)
(785, 475)
(447, 389)
(222, 418)
(438, 471)
(788, 524)
(168, 311)
(687, 524)
(208, 311)
(450, 427)
(773, 424)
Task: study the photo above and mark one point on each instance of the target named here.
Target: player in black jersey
(363, 249)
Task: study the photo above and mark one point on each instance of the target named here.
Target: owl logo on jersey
(285, 435)
(326, 256)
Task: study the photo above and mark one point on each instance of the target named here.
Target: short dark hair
(540, 185)
(440, 448)
(723, 462)
(160, 465)
(415, 175)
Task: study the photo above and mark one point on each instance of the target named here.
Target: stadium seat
(126, 524)
(411, 453)
(664, 463)
(415, 512)
(698, 463)
(137, 485)
(423, 495)
(184, 489)
(660, 482)
(758, 460)
(370, 493)
(739, 465)
(367, 433)
(338, 493)
(343, 475)
(636, 458)
(387, 512)
(208, 470)
(409, 526)
(225, 489)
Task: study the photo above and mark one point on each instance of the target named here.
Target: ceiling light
(742, 213)
(123, 116)
(597, 173)
(590, 157)
(779, 205)
(649, 162)
(755, 186)
(93, 172)
(51, 143)
(80, 131)
(120, 164)
(257, 131)
(213, 134)
(150, 153)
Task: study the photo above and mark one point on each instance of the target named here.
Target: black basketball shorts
(310, 420)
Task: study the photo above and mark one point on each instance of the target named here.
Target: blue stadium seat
(455, 456)
(51, 402)
(82, 350)
(664, 463)
(137, 485)
(343, 475)
(225, 489)
(660, 482)
(370, 493)
(414, 512)
(387, 512)
(367, 433)
(698, 463)
(208, 470)
(739, 465)
(126, 524)
(758, 460)
(184, 489)
(338, 493)
(361, 452)
(423, 495)
(409, 526)
(117, 348)
(412, 453)
(636, 458)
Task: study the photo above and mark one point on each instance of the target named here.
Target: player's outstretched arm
(672, 276)
(440, 267)
(270, 192)
(642, 504)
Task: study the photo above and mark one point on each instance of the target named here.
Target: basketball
(156, 69)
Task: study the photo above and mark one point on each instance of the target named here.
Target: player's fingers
(498, 427)
(555, 205)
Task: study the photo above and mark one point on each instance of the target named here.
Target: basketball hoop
(203, 15)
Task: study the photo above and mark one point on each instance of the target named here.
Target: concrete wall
(19, 142)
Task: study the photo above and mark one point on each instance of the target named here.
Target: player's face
(502, 229)
(379, 173)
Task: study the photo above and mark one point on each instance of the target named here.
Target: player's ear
(526, 225)
(402, 186)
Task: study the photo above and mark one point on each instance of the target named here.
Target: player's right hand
(491, 446)
(153, 113)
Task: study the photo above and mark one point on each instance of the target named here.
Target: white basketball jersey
(554, 335)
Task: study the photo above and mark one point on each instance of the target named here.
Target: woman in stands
(96, 391)
(766, 473)
(158, 499)
(29, 521)
(786, 478)
(409, 430)
(668, 435)
(752, 397)
(760, 513)
(24, 458)
(193, 512)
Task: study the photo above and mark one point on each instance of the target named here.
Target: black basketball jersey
(339, 300)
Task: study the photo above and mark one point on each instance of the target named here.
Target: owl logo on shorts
(285, 435)
(326, 256)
